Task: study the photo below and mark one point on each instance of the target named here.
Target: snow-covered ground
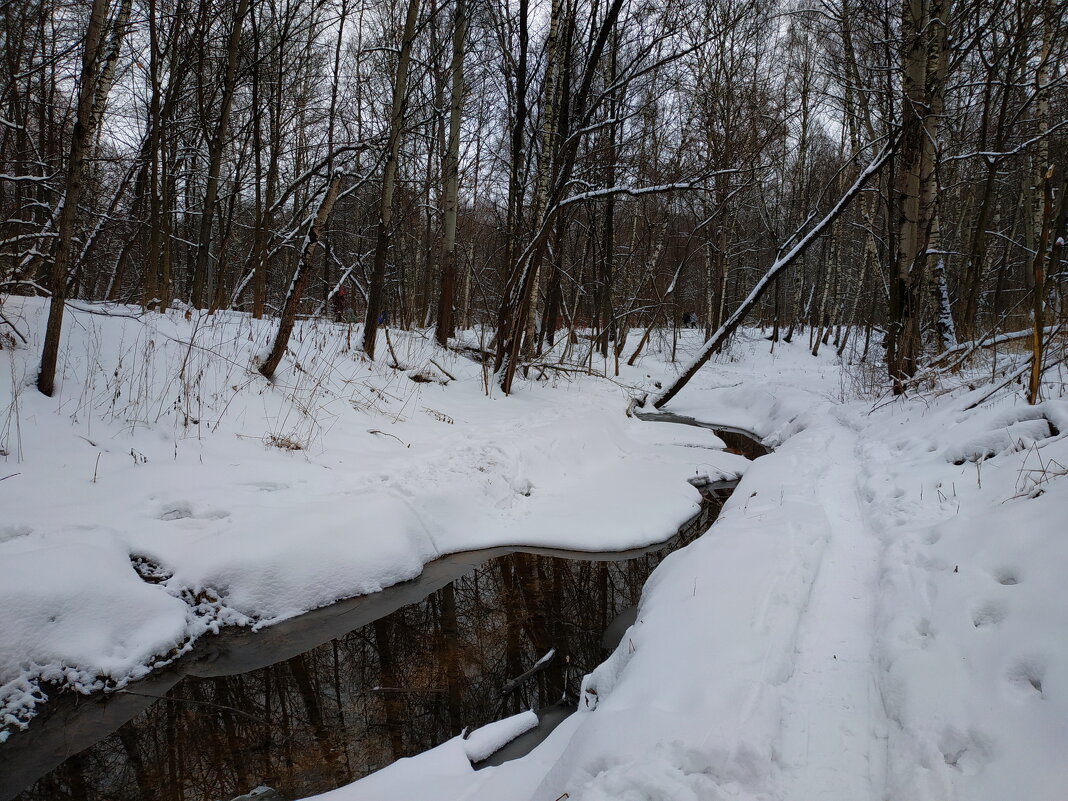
(246, 502)
(878, 613)
(868, 619)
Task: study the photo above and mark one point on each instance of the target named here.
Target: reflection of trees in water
(390, 689)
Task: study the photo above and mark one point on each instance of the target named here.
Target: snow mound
(1003, 432)
(492, 737)
(55, 632)
(671, 772)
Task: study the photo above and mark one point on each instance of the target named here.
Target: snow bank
(244, 502)
(671, 772)
(53, 631)
(972, 608)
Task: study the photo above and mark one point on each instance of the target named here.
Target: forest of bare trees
(888, 177)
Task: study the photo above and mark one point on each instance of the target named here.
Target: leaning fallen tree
(781, 263)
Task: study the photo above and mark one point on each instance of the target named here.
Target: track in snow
(833, 738)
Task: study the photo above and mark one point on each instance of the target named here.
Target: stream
(320, 700)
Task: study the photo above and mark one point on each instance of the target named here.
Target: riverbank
(321, 699)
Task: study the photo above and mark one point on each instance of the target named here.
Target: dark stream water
(321, 700)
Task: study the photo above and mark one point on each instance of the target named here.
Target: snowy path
(833, 738)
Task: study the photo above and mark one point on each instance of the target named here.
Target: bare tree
(90, 103)
(385, 212)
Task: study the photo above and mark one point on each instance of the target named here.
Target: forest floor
(878, 613)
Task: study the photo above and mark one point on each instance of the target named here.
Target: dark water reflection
(389, 688)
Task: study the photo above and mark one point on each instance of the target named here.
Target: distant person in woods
(338, 302)
(689, 319)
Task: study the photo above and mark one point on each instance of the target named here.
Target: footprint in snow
(924, 634)
(11, 532)
(967, 752)
(989, 614)
(1028, 675)
(183, 511)
(176, 512)
(1007, 577)
(268, 486)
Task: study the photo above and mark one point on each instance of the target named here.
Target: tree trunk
(385, 212)
(215, 154)
(904, 343)
(81, 136)
(446, 324)
(1051, 221)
